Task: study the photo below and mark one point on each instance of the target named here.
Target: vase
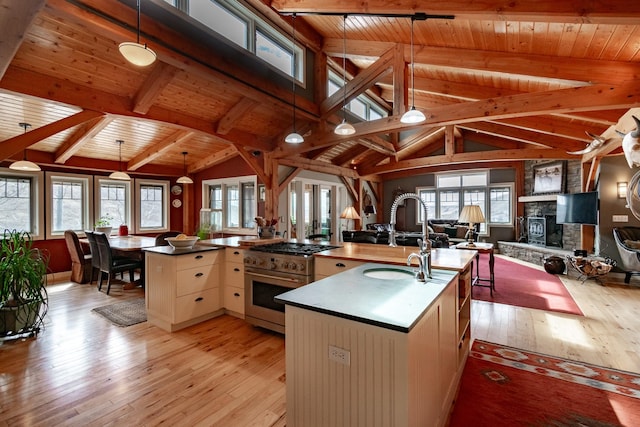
(554, 265)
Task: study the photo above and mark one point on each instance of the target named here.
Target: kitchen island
(372, 346)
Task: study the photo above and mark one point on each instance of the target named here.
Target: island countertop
(391, 304)
(170, 250)
(441, 258)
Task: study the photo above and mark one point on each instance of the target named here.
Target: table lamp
(349, 213)
(471, 214)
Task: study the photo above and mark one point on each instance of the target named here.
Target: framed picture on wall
(549, 178)
(261, 193)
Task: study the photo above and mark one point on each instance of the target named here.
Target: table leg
(492, 282)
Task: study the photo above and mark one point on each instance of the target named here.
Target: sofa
(455, 231)
(379, 234)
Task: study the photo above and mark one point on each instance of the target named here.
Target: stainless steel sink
(388, 273)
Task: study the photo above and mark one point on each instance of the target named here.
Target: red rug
(517, 284)
(505, 387)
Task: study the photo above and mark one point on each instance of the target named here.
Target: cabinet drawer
(234, 299)
(187, 261)
(197, 279)
(234, 255)
(234, 275)
(197, 304)
(331, 266)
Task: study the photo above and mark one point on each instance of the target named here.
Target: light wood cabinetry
(182, 290)
(325, 267)
(464, 314)
(234, 282)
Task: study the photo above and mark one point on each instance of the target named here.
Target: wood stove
(543, 231)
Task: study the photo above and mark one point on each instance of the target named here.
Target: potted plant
(103, 225)
(23, 279)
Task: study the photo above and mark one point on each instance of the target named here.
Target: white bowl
(182, 243)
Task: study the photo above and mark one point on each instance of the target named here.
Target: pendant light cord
(344, 66)
(413, 87)
(293, 78)
(138, 2)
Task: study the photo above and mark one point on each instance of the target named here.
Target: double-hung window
(232, 202)
(22, 202)
(69, 203)
(113, 201)
(152, 206)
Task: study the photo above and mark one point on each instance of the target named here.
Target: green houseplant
(23, 279)
(103, 225)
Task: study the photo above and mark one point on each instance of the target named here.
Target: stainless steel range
(270, 270)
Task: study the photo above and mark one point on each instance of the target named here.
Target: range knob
(285, 265)
(273, 265)
(294, 266)
(301, 267)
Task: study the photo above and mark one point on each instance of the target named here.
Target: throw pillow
(633, 244)
(461, 231)
(451, 231)
(438, 228)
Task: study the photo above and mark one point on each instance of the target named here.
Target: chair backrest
(74, 247)
(93, 245)
(160, 237)
(104, 248)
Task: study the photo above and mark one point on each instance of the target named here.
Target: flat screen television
(577, 208)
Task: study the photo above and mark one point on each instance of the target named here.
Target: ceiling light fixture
(136, 53)
(294, 137)
(344, 128)
(185, 178)
(24, 165)
(413, 115)
(119, 175)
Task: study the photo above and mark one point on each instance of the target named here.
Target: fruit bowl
(182, 242)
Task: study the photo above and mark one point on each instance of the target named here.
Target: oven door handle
(266, 276)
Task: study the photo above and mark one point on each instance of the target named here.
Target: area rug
(522, 286)
(505, 387)
(124, 313)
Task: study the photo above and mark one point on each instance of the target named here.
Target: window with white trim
(113, 201)
(22, 202)
(152, 205)
(69, 203)
(232, 202)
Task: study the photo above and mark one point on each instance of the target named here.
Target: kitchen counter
(170, 250)
(441, 258)
(391, 304)
(238, 241)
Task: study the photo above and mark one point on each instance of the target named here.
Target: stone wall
(530, 253)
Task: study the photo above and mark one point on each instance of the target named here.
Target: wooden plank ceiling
(500, 82)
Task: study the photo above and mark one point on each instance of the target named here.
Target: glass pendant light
(344, 128)
(24, 164)
(413, 115)
(294, 137)
(120, 175)
(136, 53)
(184, 179)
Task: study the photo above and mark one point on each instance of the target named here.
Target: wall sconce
(370, 210)
(622, 190)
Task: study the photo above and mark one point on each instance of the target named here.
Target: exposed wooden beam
(612, 12)
(522, 135)
(155, 150)
(318, 166)
(257, 163)
(15, 19)
(80, 138)
(351, 189)
(282, 186)
(17, 144)
(214, 159)
(160, 77)
(236, 112)
(378, 144)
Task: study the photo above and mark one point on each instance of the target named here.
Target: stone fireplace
(543, 231)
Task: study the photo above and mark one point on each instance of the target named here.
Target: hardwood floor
(81, 370)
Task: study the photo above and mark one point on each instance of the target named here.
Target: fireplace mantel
(538, 198)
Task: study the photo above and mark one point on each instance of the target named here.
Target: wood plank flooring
(84, 371)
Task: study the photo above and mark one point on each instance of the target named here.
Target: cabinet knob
(199, 274)
(235, 294)
(339, 264)
(199, 299)
(236, 253)
(236, 269)
(198, 256)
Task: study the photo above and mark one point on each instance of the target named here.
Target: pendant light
(122, 176)
(185, 178)
(294, 137)
(136, 53)
(413, 115)
(24, 165)
(344, 128)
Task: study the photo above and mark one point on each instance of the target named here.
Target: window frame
(37, 207)
(166, 211)
(98, 181)
(228, 182)
(87, 207)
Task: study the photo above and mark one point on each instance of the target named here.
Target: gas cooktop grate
(292, 248)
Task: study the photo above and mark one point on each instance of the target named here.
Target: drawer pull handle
(235, 294)
(236, 253)
(199, 274)
(199, 299)
(199, 256)
(236, 269)
(340, 265)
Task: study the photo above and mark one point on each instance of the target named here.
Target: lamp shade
(345, 128)
(370, 210)
(471, 214)
(122, 176)
(184, 180)
(24, 165)
(137, 54)
(349, 213)
(294, 138)
(413, 116)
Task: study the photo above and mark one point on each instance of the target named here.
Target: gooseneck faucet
(424, 244)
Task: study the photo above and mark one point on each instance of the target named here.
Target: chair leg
(108, 283)
(100, 276)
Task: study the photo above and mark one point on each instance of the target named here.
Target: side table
(481, 248)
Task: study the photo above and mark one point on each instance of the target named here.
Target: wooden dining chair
(81, 267)
(160, 238)
(95, 255)
(110, 265)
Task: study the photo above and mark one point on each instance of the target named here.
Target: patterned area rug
(125, 313)
(504, 386)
